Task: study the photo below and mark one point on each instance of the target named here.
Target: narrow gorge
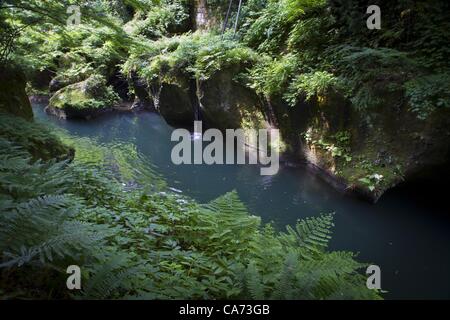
(87, 110)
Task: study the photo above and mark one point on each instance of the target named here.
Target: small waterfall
(198, 106)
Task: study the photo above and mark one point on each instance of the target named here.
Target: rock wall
(365, 152)
(220, 102)
(227, 104)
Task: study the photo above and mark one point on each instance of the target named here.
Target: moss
(358, 173)
(68, 77)
(369, 153)
(83, 99)
(375, 167)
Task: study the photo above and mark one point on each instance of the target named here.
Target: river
(407, 233)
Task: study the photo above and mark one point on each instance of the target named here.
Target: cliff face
(220, 102)
(365, 152)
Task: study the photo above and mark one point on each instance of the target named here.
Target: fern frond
(114, 275)
(253, 281)
(284, 287)
(311, 234)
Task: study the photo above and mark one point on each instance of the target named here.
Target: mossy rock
(77, 71)
(227, 104)
(85, 99)
(177, 105)
(13, 98)
(221, 102)
(61, 81)
(387, 144)
(16, 118)
(177, 100)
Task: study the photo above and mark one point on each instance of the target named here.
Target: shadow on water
(406, 233)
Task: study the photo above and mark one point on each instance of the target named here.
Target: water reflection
(405, 234)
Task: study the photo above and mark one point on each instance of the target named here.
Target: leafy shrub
(270, 77)
(164, 19)
(310, 34)
(367, 72)
(33, 138)
(197, 56)
(310, 85)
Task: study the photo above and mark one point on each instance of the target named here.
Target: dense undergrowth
(318, 46)
(289, 49)
(139, 240)
(92, 93)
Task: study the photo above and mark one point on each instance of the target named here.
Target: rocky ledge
(86, 99)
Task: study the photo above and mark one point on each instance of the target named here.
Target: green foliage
(310, 85)
(371, 181)
(271, 28)
(430, 42)
(301, 268)
(141, 244)
(37, 19)
(33, 138)
(196, 56)
(428, 93)
(295, 50)
(338, 145)
(121, 9)
(167, 18)
(310, 34)
(92, 93)
(110, 213)
(366, 73)
(327, 46)
(73, 54)
(271, 76)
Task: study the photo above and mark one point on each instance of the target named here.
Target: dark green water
(407, 233)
